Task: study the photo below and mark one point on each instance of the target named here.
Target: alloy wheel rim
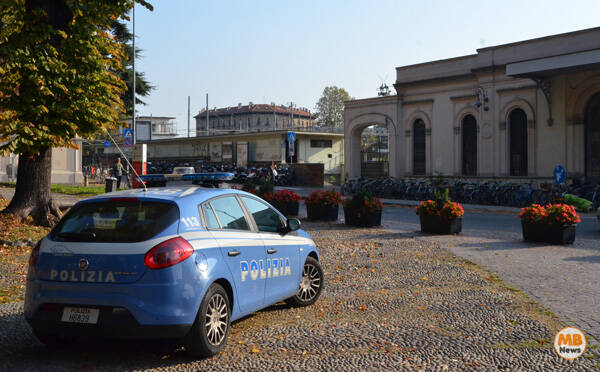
(310, 283)
(216, 319)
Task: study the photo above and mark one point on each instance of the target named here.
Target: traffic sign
(291, 137)
(560, 174)
(291, 148)
(127, 133)
(127, 142)
(106, 144)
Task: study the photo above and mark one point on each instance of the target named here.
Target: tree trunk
(32, 193)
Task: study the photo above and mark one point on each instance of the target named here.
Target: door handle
(271, 251)
(233, 253)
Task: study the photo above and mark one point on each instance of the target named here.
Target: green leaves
(330, 107)
(58, 71)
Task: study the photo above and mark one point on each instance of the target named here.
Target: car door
(242, 249)
(282, 251)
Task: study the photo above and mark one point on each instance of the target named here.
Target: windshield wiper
(78, 236)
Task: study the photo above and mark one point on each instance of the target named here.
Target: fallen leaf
(255, 350)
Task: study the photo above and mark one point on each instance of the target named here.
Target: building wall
(260, 147)
(66, 166)
(332, 157)
(442, 93)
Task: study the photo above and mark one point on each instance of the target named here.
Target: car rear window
(115, 221)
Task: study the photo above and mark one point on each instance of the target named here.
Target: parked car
(167, 263)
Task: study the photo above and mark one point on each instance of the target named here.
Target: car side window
(209, 217)
(230, 213)
(267, 220)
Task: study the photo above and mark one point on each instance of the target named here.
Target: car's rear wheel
(209, 334)
(311, 284)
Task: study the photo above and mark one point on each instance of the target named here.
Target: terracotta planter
(322, 213)
(287, 208)
(437, 225)
(356, 218)
(544, 233)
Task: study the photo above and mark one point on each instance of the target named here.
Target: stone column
(397, 158)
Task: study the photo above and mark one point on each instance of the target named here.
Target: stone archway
(361, 114)
(352, 138)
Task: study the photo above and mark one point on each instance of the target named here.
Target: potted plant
(363, 210)
(554, 223)
(286, 201)
(440, 216)
(323, 205)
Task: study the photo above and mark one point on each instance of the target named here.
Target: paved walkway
(565, 279)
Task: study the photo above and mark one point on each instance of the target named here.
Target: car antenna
(128, 163)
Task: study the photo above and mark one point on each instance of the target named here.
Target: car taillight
(168, 253)
(35, 254)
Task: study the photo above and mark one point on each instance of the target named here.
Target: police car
(167, 263)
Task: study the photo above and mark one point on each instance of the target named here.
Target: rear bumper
(113, 322)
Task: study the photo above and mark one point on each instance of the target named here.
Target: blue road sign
(127, 133)
(560, 174)
(127, 142)
(106, 144)
(291, 137)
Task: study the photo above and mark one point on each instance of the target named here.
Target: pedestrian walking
(118, 172)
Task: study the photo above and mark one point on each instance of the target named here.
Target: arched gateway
(375, 113)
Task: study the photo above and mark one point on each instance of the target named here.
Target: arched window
(592, 139)
(419, 147)
(469, 146)
(518, 142)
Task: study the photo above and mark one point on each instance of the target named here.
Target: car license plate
(80, 315)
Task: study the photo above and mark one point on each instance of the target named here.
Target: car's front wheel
(209, 334)
(311, 284)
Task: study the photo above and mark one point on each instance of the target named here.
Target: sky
(263, 51)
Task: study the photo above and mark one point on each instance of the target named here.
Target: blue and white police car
(167, 263)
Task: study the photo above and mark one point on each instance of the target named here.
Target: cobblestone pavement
(390, 302)
(563, 278)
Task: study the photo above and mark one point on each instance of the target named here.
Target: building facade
(252, 118)
(263, 148)
(511, 111)
(66, 166)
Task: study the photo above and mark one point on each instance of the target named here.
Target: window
(229, 213)
(116, 222)
(320, 143)
(210, 220)
(469, 146)
(518, 142)
(266, 219)
(419, 159)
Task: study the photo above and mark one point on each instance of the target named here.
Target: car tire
(209, 333)
(311, 284)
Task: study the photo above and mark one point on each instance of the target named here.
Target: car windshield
(185, 170)
(115, 221)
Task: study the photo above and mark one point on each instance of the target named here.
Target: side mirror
(293, 224)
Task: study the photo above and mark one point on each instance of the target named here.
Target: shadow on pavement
(20, 350)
